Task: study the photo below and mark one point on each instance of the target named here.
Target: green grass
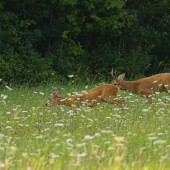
(33, 136)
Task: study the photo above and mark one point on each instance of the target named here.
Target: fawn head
(117, 80)
(54, 99)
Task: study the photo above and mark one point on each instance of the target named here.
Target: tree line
(41, 37)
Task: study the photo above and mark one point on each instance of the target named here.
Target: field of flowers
(33, 136)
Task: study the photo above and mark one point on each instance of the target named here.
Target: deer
(99, 94)
(145, 86)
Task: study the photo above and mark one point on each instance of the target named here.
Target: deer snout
(48, 105)
(115, 84)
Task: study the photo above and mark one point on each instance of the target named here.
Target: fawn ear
(53, 93)
(58, 92)
(122, 76)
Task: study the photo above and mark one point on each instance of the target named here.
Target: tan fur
(102, 93)
(146, 86)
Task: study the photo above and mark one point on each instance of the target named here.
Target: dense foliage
(38, 38)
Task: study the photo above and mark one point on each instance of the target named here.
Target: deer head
(54, 99)
(117, 80)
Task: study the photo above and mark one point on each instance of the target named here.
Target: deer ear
(122, 76)
(58, 92)
(53, 93)
(113, 75)
(112, 72)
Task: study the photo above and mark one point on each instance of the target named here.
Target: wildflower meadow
(106, 137)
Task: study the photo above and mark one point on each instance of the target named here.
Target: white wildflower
(53, 155)
(106, 131)
(70, 76)
(39, 137)
(119, 144)
(114, 135)
(79, 145)
(167, 98)
(81, 154)
(160, 142)
(76, 164)
(69, 140)
(88, 137)
(63, 100)
(116, 109)
(59, 124)
(3, 96)
(111, 148)
(33, 108)
(117, 116)
(97, 134)
(145, 110)
(86, 87)
(8, 127)
(80, 94)
(152, 138)
(24, 111)
(9, 88)
(151, 134)
(108, 117)
(83, 116)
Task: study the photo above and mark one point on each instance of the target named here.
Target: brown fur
(102, 93)
(146, 86)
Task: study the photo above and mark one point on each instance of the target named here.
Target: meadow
(106, 137)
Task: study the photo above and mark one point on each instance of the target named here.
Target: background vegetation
(39, 38)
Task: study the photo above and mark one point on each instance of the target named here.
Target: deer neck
(130, 86)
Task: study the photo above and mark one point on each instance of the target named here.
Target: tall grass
(33, 136)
